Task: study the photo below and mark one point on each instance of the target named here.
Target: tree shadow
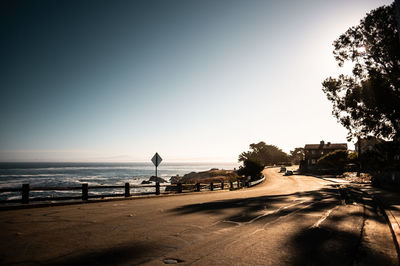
(326, 244)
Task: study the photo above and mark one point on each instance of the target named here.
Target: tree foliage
(333, 160)
(297, 155)
(368, 101)
(264, 154)
(251, 168)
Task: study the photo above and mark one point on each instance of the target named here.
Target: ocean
(13, 175)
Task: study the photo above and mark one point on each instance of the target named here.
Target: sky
(195, 81)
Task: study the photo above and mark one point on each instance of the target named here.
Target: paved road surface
(287, 220)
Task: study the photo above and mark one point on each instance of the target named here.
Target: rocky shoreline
(212, 175)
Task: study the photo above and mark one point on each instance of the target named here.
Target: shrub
(334, 160)
(251, 168)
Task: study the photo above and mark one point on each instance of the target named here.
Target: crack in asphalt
(323, 218)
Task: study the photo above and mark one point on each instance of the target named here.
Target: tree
(251, 168)
(297, 155)
(334, 160)
(368, 101)
(264, 154)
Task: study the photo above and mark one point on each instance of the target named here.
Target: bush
(336, 160)
(251, 168)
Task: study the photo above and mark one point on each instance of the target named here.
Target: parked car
(283, 170)
(289, 172)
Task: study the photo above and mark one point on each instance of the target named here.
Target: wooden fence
(125, 190)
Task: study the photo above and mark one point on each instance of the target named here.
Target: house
(387, 151)
(315, 151)
(368, 144)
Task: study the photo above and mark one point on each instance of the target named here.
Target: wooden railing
(126, 192)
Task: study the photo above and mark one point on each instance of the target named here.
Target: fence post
(127, 192)
(198, 187)
(157, 188)
(231, 183)
(85, 191)
(179, 187)
(222, 185)
(25, 193)
(211, 186)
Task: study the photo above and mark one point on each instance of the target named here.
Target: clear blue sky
(192, 80)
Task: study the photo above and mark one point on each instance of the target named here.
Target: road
(287, 220)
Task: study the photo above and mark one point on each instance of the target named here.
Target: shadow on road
(335, 242)
(246, 209)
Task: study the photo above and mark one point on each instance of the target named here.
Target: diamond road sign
(156, 159)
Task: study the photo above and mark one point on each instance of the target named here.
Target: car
(289, 172)
(283, 170)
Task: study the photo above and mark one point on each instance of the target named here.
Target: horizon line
(211, 162)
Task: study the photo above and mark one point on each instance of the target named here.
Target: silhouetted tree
(368, 101)
(264, 154)
(297, 155)
(251, 168)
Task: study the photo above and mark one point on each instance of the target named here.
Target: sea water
(13, 175)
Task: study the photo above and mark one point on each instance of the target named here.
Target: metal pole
(156, 164)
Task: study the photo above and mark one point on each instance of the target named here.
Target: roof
(327, 146)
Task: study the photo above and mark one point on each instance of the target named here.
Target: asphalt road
(287, 220)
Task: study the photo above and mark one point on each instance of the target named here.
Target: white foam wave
(14, 198)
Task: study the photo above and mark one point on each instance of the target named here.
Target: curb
(393, 225)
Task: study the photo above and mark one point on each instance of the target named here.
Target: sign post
(156, 160)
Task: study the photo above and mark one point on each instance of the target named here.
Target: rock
(175, 179)
(208, 176)
(145, 182)
(155, 179)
